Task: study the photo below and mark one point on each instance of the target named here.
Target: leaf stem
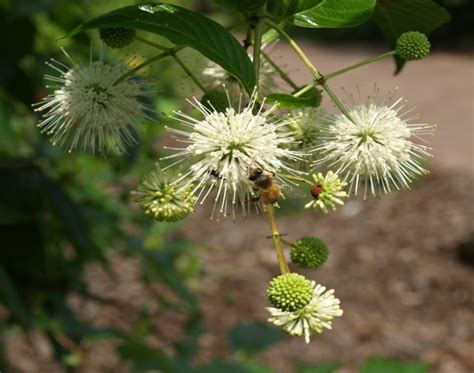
(286, 242)
(189, 72)
(359, 64)
(151, 43)
(142, 65)
(314, 71)
(257, 46)
(305, 89)
(269, 210)
(279, 71)
(336, 101)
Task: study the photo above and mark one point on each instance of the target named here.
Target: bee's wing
(292, 191)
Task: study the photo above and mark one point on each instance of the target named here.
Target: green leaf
(319, 368)
(384, 365)
(218, 366)
(146, 358)
(253, 337)
(243, 6)
(184, 28)
(11, 298)
(394, 17)
(309, 99)
(335, 14)
(296, 6)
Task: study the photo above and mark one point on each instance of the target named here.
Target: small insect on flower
(327, 191)
(372, 146)
(94, 108)
(311, 319)
(223, 149)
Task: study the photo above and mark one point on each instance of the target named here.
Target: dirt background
(394, 262)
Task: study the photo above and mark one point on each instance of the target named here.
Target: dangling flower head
(93, 107)
(161, 197)
(223, 147)
(373, 147)
(311, 319)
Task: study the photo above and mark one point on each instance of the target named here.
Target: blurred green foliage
(60, 213)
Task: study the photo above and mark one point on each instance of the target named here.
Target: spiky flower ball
(373, 147)
(327, 191)
(164, 199)
(94, 107)
(290, 291)
(309, 252)
(305, 126)
(313, 318)
(413, 45)
(223, 147)
(117, 37)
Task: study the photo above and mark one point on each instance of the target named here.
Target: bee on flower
(223, 149)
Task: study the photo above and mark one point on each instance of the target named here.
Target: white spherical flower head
(311, 319)
(373, 149)
(225, 146)
(94, 107)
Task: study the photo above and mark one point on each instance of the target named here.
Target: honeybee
(264, 182)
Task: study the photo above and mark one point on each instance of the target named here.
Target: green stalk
(296, 48)
(142, 65)
(189, 73)
(305, 89)
(359, 64)
(257, 46)
(269, 210)
(151, 43)
(280, 72)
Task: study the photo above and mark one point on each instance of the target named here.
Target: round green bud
(117, 37)
(290, 292)
(413, 45)
(216, 99)
(309, 252)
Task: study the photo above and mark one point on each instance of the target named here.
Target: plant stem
(142, 65)
(305, 89)
(286, 242)
(151, 43)
(296, 48)
(359, 64)
(257, 46)
(280, 72)
(269, 210)
(189, 72)
(336, 101)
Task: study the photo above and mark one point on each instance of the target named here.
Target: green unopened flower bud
(413, 45)
(290, 292)
(117, 37)
(164, 199)
(216, 99)
(309, 252)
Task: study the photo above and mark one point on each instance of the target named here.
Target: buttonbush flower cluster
(245, 148)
